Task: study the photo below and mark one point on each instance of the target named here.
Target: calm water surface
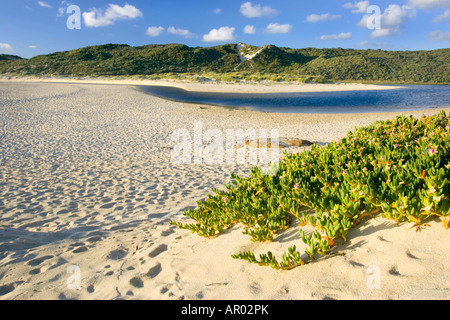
(408, 98)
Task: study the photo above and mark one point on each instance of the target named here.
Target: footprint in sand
(168, 290)
(164, 289)
(154, 271)
(38, 261)
(158, 250)
(166, 233)
(80, 249)
(7, 288)
(94, 239)
(108, 205)
(117, 254)
(35, 271)
(90, 288)
(137, 282)
(199, 295)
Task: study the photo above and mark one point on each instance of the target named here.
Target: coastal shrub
(326, 64)
(398, 169)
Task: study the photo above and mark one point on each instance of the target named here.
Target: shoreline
(88, 182)
(267, 87)
(239, 88)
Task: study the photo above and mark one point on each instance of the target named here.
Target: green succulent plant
(397, 168)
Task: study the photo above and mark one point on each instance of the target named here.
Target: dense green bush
(271, 61)
(4, 57)
(398, 168)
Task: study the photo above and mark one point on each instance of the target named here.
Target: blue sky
(31, 27)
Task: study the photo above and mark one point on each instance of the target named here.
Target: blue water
(407, 98)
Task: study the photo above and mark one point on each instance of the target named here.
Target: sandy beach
(213, 86)
(88, 188)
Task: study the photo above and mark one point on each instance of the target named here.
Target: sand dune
(87, 188)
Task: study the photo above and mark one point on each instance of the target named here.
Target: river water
(407, 98)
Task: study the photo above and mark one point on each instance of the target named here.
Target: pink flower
(365, 169)
(296, 187)
(431, 151)
(344, 172)
(395, 145)
(225, 199)
(447, 127)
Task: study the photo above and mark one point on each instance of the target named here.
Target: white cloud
(154, 31)
(6, 48)
(31, 46)
(256, 11)
(427, 4)
(181, 32)
(44, 4)
(392, 20)
(357, 7)
(313, 18)
(217, 11)
(444, 16)
(341, 36)
(439, 36)
(96, 18)
(395, 15)
(363, 22)
(374, 45)
(249, 30)
(221, 34)
(62, 8)
(379, 33)
(275, 28)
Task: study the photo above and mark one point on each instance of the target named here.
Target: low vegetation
(9, 57)
(223, 63)
(399, 169)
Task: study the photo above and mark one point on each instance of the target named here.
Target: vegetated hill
(9, 57)
(330, 64)
(117, 60)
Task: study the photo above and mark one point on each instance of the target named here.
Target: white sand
(213, 86)
(86, 180)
